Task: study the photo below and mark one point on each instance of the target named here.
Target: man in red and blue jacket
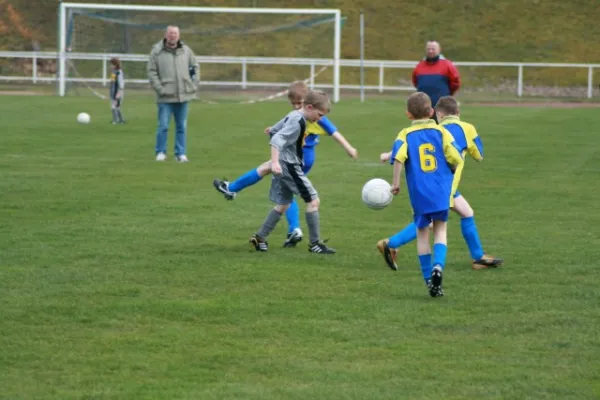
(435, 75)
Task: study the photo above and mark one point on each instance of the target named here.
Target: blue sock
(471, 235)
(439, 254)
(426, 267)
(248, 179)
(408, 234)
(293, 216)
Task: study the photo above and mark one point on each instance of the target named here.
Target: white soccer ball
(83, 118)
(377, 194)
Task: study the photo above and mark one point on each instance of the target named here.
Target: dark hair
(116, 62)
(419, 105)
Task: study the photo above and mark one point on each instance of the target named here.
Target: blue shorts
(423, 220)
(308, 158)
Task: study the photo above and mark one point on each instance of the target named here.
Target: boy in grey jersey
(288, 177)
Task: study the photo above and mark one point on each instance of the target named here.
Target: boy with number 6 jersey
(429, 156)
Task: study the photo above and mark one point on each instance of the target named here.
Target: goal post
(66, 10)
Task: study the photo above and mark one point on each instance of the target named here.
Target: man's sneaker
(181, 158)
(320, 248)
(487, 262)
(161, 157)
(293, 238)
(223, 187)
(435, 284)
(259, 243)
(386, 252)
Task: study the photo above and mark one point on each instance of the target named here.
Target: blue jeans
(180, 112)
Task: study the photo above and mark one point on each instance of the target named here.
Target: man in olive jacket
(171, 71)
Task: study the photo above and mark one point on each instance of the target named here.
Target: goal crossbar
(62, 20)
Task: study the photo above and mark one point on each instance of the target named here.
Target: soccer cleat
(487, 262)
(320, 248)
(259, 243)
(161, 157)
(223, 187)
(387, 254)
(435, 284)
(182, 158)
(293, 238)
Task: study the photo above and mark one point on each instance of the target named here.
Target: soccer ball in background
(83, 118)
(377, 194)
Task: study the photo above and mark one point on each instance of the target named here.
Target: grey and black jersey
(289, 138)
(117, 83)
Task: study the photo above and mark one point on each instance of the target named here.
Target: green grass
(123, 278)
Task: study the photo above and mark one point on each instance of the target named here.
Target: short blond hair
(419, 105)
(318, 100)
(297, 91)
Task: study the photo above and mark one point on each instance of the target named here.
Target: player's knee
(264, 168)
(313, 205)
(281, 208)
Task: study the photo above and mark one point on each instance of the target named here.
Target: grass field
(124, 278)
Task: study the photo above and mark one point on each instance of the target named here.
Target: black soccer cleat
(386, 252)
(223, 187)
(435, 284)
(259, 243)
(293, 238)
(320, 248)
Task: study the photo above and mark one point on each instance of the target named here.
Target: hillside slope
(469, 30)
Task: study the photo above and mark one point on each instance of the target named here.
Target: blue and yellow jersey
(316, 129)
(430, 157)
(467, 141)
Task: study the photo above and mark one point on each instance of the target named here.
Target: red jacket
(436, 78)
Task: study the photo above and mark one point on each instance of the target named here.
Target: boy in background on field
(117, 87)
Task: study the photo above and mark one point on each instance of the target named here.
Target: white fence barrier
(245, 61)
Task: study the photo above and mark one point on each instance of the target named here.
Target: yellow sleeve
(450, 151)
(474, 145)
(400, 149)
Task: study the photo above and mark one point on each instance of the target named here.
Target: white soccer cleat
(182, 158)
(161, 157)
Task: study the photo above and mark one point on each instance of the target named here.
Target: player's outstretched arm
(338, 137)
(385, 157)
(396, 178)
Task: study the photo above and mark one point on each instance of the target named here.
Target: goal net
(248, 51)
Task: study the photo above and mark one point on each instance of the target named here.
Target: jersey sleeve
(327, 126)
(474, 143)
(277, 127)
(399, 149)
(451, 153)
(288, 132)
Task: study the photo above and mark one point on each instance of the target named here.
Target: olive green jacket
(169, 73)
